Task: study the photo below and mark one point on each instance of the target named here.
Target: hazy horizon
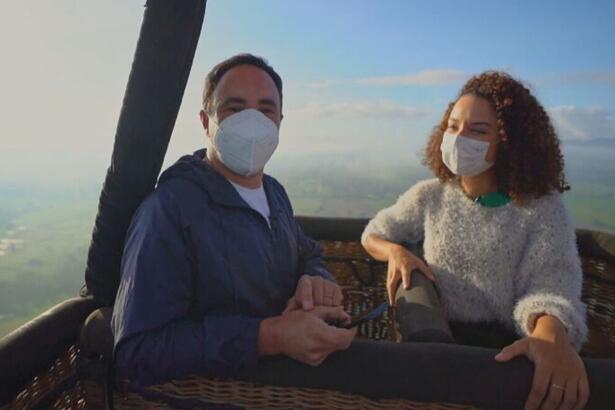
(364, 83)
(375, 92)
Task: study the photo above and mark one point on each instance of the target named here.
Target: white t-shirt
(256, 198)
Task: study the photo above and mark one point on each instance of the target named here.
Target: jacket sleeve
(155, 338)
(550, 275)
(311, 261)
(403, 221)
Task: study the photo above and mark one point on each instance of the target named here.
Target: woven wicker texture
(362, 281)
(59, 374)
(599, 296)
(124, 400)
(72, 398)
(197, 391)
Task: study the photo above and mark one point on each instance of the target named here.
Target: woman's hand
(560, 380)
(401, 263)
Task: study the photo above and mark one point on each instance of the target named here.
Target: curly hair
(529, 162)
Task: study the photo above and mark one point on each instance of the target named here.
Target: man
(215, 270)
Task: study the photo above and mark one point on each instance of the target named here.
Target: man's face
(242, 87)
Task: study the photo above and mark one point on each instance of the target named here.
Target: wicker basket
(362, 280)
(56, 388)
(198, 392)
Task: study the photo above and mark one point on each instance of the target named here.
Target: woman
(498, 240)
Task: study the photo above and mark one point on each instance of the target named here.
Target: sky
(362, 79)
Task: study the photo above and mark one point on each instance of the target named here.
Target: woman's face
(474, 117)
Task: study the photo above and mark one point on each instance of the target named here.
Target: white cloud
(365, 109)
(431, 77)
(323, 84)
(591, 77)
(583, 124)
(424, 77)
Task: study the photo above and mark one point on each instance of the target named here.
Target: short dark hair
(216, 73)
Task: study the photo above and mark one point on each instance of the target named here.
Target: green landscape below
(45, 233)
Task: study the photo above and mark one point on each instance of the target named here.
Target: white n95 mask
(464, 156)
(245, 141)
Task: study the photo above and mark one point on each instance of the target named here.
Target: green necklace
(492, 199)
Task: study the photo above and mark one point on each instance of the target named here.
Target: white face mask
(464, 156)
(245, 141)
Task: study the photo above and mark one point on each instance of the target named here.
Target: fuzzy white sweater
(507, 264)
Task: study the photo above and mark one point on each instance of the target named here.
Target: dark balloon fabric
(160, 69)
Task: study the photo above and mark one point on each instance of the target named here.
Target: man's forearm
(268, 337)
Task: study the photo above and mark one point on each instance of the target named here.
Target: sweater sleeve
(404, 220)
(550, 275)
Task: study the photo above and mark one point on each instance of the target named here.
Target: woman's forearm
(551, 328)
(379, 248)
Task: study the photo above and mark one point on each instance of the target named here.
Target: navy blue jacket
(200, 270)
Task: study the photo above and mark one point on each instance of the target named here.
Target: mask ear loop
(212, 138)
(216, 122)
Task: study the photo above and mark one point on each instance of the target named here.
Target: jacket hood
(194, 169)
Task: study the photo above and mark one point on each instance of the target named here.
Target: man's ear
(204, 120)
